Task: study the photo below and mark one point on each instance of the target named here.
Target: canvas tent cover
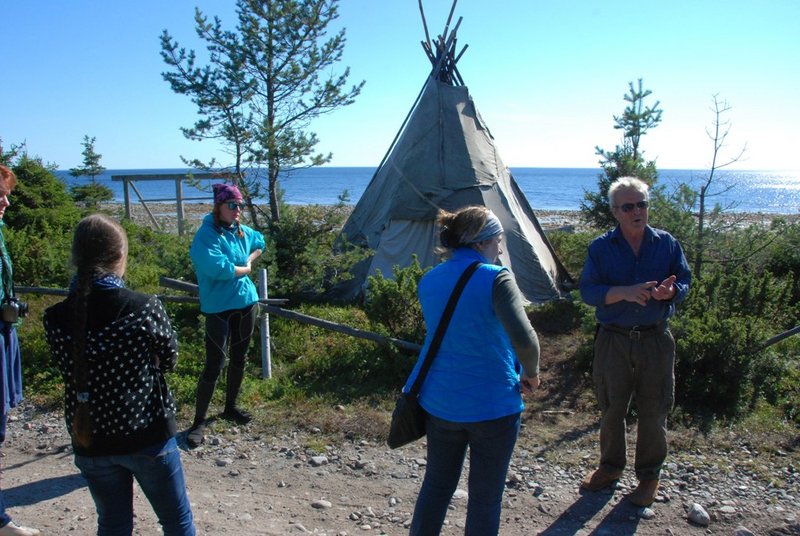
(445, 158)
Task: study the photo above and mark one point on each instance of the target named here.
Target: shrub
(715, 358)
(302, 253)
(92, 194)
(721, 369)
(784, 252)
(41, 201)
(558, 316)
(40, 255)
(571, 248)
(394, 303)
(318, 361)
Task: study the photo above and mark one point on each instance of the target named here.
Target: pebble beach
(550, 220)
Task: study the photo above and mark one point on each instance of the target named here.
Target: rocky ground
(258, 480)
(248, 481)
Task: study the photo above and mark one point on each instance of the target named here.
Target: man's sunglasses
(627, 207)
(232, 205)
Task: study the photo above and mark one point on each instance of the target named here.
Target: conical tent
(444, 158)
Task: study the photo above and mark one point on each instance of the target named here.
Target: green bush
(784, 252)
(394, 303)
(40, 255)
(40, 200)
(321, 362)
(92, 194)
(571, 249)
(153, 254)
(560, 316)
(721, 368)
(302, 255)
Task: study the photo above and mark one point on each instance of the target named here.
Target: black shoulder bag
(408, 417)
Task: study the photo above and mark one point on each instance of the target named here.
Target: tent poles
(425, 27)
(437, 66)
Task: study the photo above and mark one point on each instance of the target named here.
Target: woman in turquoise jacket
(222, 252)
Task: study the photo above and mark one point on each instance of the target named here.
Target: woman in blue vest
(473, 391)
(222, 252)
(10, 360)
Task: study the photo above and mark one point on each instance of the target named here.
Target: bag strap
(442, 327)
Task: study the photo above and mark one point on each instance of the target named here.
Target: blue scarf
(104, 282)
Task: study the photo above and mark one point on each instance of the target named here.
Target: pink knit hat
(224, 191)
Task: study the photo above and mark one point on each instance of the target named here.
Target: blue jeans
(490, 446)
(158, 471)
(5, 519)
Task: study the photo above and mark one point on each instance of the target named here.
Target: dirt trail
(245, 483)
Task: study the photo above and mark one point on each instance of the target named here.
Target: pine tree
(91, 161)
(261, 87)
(625, 160)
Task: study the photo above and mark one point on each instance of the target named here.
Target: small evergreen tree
(91, 194)
(91, 161)
(624, 160)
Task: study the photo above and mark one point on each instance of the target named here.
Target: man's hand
(666, 290)
(639, 293)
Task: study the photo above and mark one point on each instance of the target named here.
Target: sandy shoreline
(165, 214)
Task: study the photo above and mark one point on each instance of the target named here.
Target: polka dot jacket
(129, 344)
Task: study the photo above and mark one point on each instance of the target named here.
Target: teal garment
(10, 357)
(474, 376)
(216, 252)
(5, 266)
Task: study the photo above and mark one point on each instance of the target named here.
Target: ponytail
(81, 429)
(99, 247)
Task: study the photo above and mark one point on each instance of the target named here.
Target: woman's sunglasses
(232, 205)
(627, 207)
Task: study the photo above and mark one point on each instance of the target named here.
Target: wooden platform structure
(129, 183)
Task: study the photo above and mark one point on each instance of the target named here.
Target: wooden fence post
(266, 351)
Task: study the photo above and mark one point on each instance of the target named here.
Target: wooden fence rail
(269, 306)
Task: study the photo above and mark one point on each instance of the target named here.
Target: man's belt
(636, 332)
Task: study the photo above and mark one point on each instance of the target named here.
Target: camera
(13, 310)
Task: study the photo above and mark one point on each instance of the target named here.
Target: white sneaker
(12, 529)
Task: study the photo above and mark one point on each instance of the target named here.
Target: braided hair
(99, 247)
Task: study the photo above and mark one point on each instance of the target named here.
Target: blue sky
(547, 77)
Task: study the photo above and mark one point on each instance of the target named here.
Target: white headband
(491, 228)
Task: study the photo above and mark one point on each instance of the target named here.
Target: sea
(776, 192)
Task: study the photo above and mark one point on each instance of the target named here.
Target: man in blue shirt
(634, 276)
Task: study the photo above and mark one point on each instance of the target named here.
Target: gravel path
(248, 483)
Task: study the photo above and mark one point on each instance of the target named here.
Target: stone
(698, 515)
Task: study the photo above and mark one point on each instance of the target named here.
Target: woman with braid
(10, 359)
(112, 346)
(222, 253)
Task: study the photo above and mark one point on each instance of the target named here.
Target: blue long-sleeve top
(216, 251)
(611, 262)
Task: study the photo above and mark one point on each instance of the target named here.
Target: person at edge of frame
(10, 360)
